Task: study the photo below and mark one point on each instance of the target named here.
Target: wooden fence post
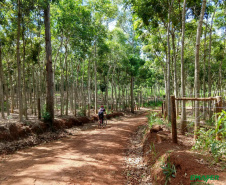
(173, 119)
(219, 106)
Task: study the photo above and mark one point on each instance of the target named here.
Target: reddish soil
(90, 156)
(10, 131)
(186, 161)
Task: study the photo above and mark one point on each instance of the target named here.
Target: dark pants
(101, 118)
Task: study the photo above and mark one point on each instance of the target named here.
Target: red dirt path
(93, 156)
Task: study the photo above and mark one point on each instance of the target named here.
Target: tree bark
(24, 80)
(19, 90)
(1, 85)
(66, 80)
(107, 83)
(209, 67)
(62, 88)
(49, 68)
(183, 109)
(131, 94)
(95, 73)
(204, 75)
(11, 88)
(89, 97)
(197, 85)
(175, 70)
(168, 61)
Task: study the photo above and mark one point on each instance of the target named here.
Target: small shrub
(153, 119)
(45, 115)
(169, 170)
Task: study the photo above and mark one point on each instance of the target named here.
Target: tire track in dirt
(93, 156)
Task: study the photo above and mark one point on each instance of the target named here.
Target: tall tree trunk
(112, 90)
(40, 76)
(66, 80)
(209, 67)
(116, 97)
(131, 94)
(89, 95)
(24, 80)
(83, 96)
(62, 89)
(166, 90)
(175, 70)
(7, 94)
(197, 85)
(168, 61)
(107, 83)
(76, 92)
(204, 75)
(49, 68)
(19, 89)
(183, 109)
(1, 85)
(220, 73)
(11, 88)
(95, 73)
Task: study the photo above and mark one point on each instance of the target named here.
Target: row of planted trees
(187, 40)
(61, 55)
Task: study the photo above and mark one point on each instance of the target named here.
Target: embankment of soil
(158, 151)
(15, 131)
(15, 136)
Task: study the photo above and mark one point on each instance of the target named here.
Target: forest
(64, 59)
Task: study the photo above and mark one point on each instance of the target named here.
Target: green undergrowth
(169, 170)
(154, 119)
(45, 115)
(207, 142)
(152, 104)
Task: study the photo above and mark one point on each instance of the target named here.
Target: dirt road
(92, 156)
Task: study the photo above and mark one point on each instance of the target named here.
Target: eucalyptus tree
(102, 10)
(2, 40)
(1, 83)
(197, 85)
(119, 47)
(183, 110)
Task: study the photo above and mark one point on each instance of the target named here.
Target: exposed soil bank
(19, 135)
(159, 150)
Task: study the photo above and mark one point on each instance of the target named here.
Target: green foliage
(207, 139)
(45, 115)
(153, 119)
(103, 86)
(169, 170)
(153, 104)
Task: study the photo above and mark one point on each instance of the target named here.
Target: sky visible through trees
(68, 57)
